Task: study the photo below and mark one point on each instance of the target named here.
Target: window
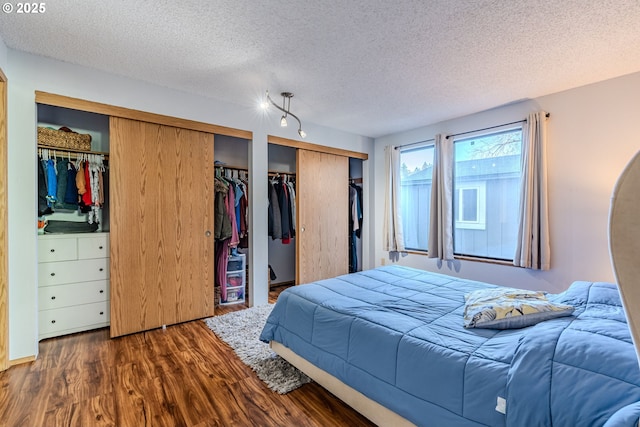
(487, 171)
(415, 195)
(470, 205)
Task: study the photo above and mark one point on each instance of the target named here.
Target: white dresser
(73, 283)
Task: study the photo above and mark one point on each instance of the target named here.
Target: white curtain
(440, 243)
(533, 248)
(393, 235)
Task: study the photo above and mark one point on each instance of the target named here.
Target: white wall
(28, 73)
(593, 133)
(3, 54)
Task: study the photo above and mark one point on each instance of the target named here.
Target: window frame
(495, 131)
(481, 202)
(425, 145)
(481, 206)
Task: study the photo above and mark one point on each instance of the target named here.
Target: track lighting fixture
(286, 105)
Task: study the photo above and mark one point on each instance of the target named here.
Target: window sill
(468, 258)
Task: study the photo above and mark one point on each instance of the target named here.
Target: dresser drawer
(50, 250)
(51, 297)
(56, 273)
(93, 247)
(79, 316)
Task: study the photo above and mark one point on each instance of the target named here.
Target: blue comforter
(396, 334)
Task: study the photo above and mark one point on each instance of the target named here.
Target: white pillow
(508, 308)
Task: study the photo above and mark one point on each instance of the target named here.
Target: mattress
(396, 335)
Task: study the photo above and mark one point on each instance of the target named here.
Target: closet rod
(355, 180)
(274, 173)
(236, 168)
(58, 150)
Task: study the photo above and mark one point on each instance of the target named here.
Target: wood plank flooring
(181, 376)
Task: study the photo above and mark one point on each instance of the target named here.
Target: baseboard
(22, 360)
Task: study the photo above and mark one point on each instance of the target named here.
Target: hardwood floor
(181, 376)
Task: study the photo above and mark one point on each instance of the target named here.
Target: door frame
(4, 228)
(271, 139)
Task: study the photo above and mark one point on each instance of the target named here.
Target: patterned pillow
(508, 308)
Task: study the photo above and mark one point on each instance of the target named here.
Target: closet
(322, 209)
(282, 253)
(73, 263)
(160, 217)
(232, 221)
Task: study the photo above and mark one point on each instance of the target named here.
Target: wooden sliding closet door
(322, 238)
(161, 213)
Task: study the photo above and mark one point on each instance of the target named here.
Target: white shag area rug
(241, 330)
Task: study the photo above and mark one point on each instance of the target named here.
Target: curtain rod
(468, 132)
(414, 143)
(491, 127)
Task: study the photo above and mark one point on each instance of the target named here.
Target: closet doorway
(321, 176)
(233, 255)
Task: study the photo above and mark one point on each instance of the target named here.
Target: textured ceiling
(370, 67)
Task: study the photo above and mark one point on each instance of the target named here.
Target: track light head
(286, 104)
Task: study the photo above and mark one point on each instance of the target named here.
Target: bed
(391, 342)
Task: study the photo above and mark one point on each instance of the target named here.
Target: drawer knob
(101, 269)
(53, 321)
(53, 250)
(53, 297)
(99, 247)
(101, 313)
(53, 274)
(101, 291)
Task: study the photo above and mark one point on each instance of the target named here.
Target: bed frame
(371, 409)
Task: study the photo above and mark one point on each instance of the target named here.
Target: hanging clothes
(285, 198)
(71, 193)
(64, 167)
(222, 232)
(275, 221)
(95, 172)
(244, 219)
(222, 256)
(86, 196)
(222, 222)
(292, 204)
(43, 206)
(52, 183)
(62, 187)
(239, 194)
(285, 211)
(231, 211)
(230, 222)
(355, 224)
